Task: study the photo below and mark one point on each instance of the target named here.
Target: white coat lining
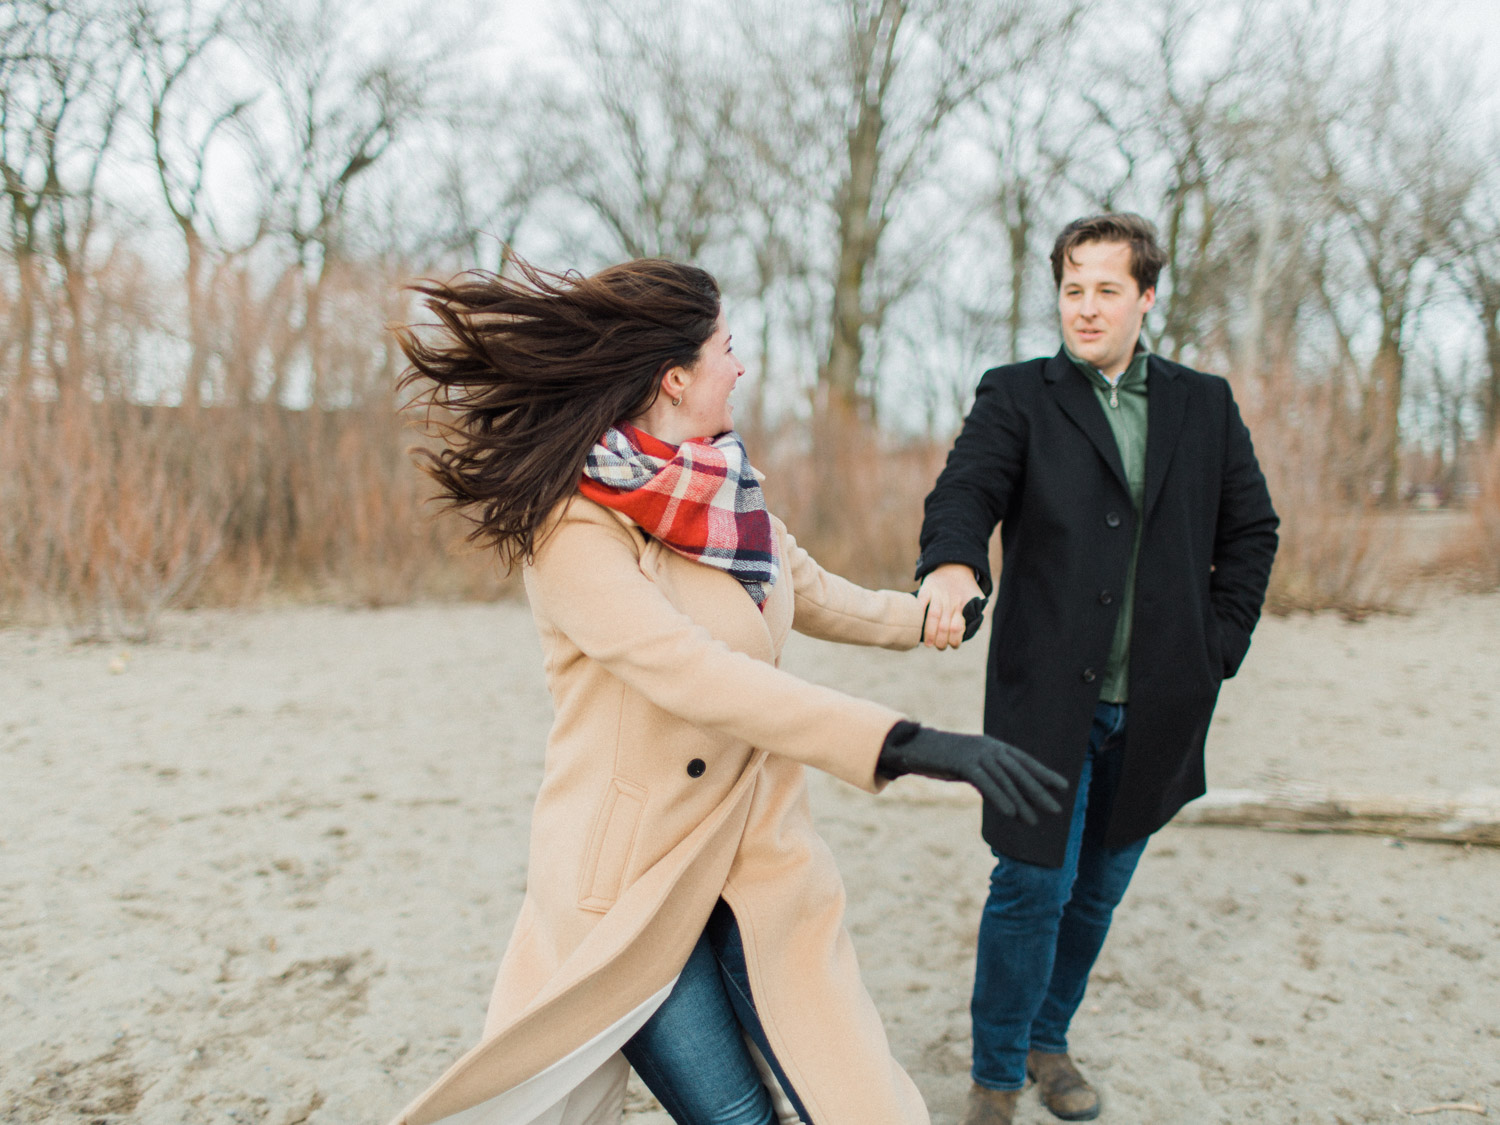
(584, 1087)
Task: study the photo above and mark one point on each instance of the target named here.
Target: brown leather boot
(990, 1107)
(1063, 1090)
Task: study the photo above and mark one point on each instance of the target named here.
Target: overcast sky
(1470, 28)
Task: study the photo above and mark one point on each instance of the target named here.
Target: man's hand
(943, 595)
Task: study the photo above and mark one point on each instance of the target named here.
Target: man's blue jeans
(691, 1053)
(1042, 928)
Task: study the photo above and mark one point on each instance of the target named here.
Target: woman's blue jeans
(1042, 928)
(691, 1053)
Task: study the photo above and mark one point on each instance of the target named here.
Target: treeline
(209, 210)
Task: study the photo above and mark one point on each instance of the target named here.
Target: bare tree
(879, 85)
(1476, 261)
(61, 98)
(1281, 209)
(1171, 119)
(1397, 173)
(1034, 132)
(644, 141)
(176, 46)
(340, 101)
(495, 161)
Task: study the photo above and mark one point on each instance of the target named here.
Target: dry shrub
(1473, 558)
(855, 503)
(93, 521)
(110, 512)
(1338, 550)
(326, 505)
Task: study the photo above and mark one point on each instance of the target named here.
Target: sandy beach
(262, 870)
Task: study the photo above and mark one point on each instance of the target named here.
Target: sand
(262, 871)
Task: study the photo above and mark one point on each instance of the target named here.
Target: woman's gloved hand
(1010, 779)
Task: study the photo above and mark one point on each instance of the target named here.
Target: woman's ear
(674, 382)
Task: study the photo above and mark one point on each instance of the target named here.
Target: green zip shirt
(1124, 404)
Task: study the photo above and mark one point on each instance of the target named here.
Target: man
(1137, 538)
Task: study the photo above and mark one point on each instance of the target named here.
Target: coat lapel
(1071, 389)
(702, 592)
(1167, 395)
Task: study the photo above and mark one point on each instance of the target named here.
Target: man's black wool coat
(1037, 456)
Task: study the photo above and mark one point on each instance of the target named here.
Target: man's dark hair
(1146, 257)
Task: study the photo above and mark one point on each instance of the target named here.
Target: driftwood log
(1471, 817)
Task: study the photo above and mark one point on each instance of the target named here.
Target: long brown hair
(527, 373)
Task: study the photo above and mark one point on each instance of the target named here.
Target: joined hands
(953, 606)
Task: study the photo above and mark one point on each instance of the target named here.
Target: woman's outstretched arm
(586, 583)
(832, 608)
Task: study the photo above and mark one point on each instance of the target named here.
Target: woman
(680, 912)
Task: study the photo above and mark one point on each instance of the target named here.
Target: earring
(677, 401)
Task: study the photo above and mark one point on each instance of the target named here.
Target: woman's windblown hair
(521, 376)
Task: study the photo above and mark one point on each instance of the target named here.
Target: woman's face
(705, 405)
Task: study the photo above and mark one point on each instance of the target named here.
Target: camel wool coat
(673, 777)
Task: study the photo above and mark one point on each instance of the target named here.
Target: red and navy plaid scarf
(701, 499)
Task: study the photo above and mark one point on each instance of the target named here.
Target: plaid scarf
(701, 499)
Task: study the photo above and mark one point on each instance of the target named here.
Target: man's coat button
(1088, 678)
(1113, 519)
(696, 767)
(1105, 597)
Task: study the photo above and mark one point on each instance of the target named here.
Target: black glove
(973, 617)
(1007, 778)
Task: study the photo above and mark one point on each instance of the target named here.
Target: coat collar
(1071, 389)
(1167, 395)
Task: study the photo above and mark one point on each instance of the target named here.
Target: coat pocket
(1213, 640)
(611, 844)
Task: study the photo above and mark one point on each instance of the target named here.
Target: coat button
(696, 767)
(1113, 519)
(1089, 676)
(1105, 597)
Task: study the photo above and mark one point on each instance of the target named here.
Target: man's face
(1101, 306)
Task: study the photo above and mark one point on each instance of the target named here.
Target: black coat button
(1106, 598)
(1113, 519)
(696, 767)
(1089, 676)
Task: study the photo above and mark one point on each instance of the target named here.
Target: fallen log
(1470, 817)
(1445, 1107)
